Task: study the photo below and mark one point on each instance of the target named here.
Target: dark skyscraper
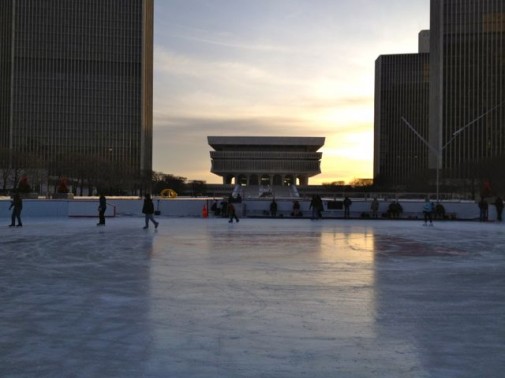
(467, 84)
(76, 79)
(401, 90)
(465, 120)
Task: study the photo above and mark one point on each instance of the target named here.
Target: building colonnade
(265, 179)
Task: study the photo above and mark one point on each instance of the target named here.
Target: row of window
(266, 155)
(268, 165)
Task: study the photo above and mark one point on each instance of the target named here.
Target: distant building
(424, 41)
(467, 86)
(401, 90)
(265, 160)
(76, 78)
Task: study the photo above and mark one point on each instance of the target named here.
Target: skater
(374, 206)
(483, 207)
(315, 205)
(273, 208)
(148, 210)
(347, 207)
(231, 212)
(102, 206)
(296, 209)
(439, 211)
(16, 206)
(428, 212)
(215, 209)
(499, 208)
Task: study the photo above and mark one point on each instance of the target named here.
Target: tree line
(85, 175)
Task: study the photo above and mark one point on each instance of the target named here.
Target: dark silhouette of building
(401, 90)
(462, 70)
(467, 83)
(76, 78)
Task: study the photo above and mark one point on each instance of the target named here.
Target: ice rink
(261, 298)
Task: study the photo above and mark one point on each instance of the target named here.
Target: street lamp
(438, 151)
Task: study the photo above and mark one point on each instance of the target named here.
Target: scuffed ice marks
(73, 300)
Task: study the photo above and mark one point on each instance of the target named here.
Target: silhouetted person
(439, 211)
(148, 210)
(102, 206)
(374, 206)
(483, 207)
(215, 209)
(16, 206)
(231, 212)
(395, 209)
(316, 205)
(347, 207)
(296, 209)
(273, 208)
(499, 208)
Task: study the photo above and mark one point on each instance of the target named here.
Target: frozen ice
(259, 298)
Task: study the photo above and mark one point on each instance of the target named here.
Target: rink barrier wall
(192, 207)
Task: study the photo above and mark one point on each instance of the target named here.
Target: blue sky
(273, 68)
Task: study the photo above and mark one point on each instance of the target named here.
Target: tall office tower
(76, 78)
(467, 85)
(401, 90)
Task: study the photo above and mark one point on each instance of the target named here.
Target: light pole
(438, 151)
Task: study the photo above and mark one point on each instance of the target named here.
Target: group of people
(227, 209)
(484, 209)
(316, 205)
(147, 210)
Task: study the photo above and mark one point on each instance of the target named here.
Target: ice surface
(261, 298)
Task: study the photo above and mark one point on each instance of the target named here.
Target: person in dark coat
(148, 210)
(499, 208)
(483, 207)
(314, 206)
(374, 206)
(16, 206)
(273, 208)
(296, 209)
(102, 206)
(231, 212)
(347, 207)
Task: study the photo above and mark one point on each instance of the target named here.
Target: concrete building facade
(76, 78)
(265, 160)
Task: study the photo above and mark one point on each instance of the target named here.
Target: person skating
(347, 207)
(273, 208)
(102, 206)
(499, 208)
(231, 212)
(316, 204)
(428, 212)
(483, 207)
(16, 206)
(148, 210)
(374, 206)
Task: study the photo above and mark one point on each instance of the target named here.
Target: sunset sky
(273, 68)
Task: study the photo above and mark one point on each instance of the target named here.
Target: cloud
(202, 127)
(286, 67)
